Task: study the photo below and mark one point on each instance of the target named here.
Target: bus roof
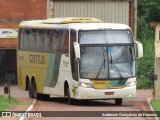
(72, 20)
(71, 23)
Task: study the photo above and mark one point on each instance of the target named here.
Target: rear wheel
(30, 93)
(36, 95)
(34, 90)
(118, 101)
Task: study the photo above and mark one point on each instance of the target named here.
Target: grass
(5, 103)
(156, 106)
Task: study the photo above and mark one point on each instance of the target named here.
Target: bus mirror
(139, 49)
(77, 50)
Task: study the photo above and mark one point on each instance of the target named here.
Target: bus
(77, 58)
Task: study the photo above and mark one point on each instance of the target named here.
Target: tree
(148, 11)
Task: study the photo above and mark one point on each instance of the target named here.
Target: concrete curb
(149, 103)
(29, 109)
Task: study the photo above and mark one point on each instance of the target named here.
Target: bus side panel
(52, 73)
(53, 70)
(22, 65)
(55, 78)
(38, 68)
(64, 74)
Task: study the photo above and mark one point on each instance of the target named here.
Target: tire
(36, 95)
(118, 101)
(30, 93)
(34, 90)
(69, 99)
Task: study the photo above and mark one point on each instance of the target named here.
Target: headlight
(86, 85)
(130, 84)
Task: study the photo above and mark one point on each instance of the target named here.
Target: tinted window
(56, 41)
(33, 39)
(40, 40)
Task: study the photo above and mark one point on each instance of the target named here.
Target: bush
(145, 66)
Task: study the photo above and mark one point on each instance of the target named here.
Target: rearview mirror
(139, 49)
(77, 50)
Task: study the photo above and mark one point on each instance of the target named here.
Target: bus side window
(47, 46)
(74, 64)
(40, 40)
(26, 39)
(65, 44)
(20, 38)
(51, 37)
(33, 39)
(58, 41)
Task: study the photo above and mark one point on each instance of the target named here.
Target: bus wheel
(30, 93)
(70, 100)
(118, 101)
(34, 90)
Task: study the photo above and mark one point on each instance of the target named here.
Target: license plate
(109, 93)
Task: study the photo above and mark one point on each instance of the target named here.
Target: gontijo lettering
(37, 59)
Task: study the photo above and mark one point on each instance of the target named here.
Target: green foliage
(156, 106)
(5, 103)
(145, 66)
(144, 31)
(148, 11)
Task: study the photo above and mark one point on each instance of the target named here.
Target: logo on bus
(37, 59)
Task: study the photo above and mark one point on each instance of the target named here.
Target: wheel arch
(66, 86)
(27, 81)
(33, 79)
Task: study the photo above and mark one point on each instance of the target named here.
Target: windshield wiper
(115, 67)
(100, 69)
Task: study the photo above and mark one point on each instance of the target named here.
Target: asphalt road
(139, 103)
(93, 107)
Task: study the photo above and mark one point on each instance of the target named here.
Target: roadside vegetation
(156, 106)
(5, 103)
(145, 66)
(147, 12)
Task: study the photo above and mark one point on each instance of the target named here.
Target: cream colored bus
(77, 58)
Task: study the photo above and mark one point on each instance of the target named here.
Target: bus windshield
(106, 54)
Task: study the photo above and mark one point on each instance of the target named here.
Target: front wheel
(69, 99)
(118, 101)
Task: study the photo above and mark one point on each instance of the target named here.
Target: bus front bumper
(91, 93)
